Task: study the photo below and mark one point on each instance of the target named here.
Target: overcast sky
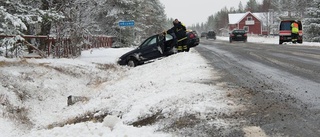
(196, 11)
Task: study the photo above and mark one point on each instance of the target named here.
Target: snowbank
(169, 88)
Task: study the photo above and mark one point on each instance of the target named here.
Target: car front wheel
(132, 63)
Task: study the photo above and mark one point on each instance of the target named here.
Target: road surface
(279, 85)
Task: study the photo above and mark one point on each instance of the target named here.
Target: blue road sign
(126, 23)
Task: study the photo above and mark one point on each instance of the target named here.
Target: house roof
(235, 18)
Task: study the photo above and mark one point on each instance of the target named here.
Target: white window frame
(249, 18)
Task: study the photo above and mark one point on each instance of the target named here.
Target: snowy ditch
(167, 95)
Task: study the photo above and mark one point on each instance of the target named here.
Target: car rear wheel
(280, 42)
(132, 62)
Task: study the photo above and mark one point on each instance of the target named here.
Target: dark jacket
(179, 30)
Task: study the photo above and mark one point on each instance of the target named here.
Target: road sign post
(125, 24)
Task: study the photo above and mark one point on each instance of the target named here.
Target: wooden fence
(63, 47)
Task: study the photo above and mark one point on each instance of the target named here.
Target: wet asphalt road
(279, 85)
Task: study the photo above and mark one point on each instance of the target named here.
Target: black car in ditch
(153, 47)
(238, 35)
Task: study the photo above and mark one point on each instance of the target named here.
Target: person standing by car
(294, 31)
(180, 32)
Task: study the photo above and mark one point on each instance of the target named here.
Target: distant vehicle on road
(153, 47)
(203, 34)
(238, 35)
(211, 35)
(285, 31)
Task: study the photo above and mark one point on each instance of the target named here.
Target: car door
(150, 49)
(169, 41)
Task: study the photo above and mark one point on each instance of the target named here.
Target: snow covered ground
(272, 40)
(34, 92)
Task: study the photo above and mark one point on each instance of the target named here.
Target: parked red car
(285, 31)
(193, 39)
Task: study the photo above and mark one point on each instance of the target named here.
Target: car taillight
(191, 35)
(281, 38)
(231, 35)
(245, 34)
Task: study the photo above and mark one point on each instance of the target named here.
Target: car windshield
(285, 25)
(153, 40)
(149, 41)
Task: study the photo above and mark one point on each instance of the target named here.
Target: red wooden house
(253, 23)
